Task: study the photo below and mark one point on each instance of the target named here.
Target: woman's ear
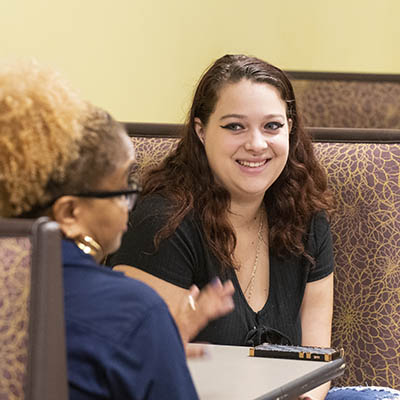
(199, 128)
(65, 212)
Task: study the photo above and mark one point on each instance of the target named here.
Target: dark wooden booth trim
(153, 129)
(356, 135)
(342, 76)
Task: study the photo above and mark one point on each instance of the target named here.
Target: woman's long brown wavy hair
(186, 179)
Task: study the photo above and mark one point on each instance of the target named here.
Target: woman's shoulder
(319, 224)
(159, 208)
(151, 207)
(133, 292)
(319, 244)
(104, 284)
(153, 201)
(109, 294)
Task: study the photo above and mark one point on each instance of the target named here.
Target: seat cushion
(349, 104)
(365, 180)
(15, 264)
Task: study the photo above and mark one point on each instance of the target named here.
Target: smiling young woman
(242, 198)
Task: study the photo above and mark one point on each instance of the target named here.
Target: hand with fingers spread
(199, 307)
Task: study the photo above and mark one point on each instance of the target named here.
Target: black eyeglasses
(130, 195)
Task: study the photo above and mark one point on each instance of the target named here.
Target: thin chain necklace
(250, 286)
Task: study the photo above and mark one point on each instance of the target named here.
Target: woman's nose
(256, 141)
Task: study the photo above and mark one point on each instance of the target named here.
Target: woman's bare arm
(316, 322)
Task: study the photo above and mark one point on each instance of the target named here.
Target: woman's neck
(245, 213)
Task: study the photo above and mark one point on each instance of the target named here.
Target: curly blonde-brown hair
(40, 125)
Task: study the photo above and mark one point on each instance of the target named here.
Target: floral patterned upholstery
(33, 362)
(150, 151)
(14, 317)
(349, 104)
(365, 179)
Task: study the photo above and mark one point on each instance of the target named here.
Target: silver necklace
(250, 286)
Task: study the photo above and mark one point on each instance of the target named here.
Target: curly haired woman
(65, 159)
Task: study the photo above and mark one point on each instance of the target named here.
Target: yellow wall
(140, 59)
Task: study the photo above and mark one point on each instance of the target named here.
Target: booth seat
(33, 363)
(363, 167)
(333, 99)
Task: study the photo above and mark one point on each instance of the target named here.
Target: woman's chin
(113, 247)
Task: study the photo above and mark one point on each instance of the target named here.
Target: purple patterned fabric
(14, 316)
(366, 235)
(348, 104)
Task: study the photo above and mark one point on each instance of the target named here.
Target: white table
(227, 372)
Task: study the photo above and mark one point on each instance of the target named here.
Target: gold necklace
(250, 285)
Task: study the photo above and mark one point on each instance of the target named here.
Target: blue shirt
(122, 342)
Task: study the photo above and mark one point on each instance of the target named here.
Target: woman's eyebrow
(233, 116)
(241, 116)
(274, 116)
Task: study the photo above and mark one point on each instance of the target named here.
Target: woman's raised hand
(199, 307)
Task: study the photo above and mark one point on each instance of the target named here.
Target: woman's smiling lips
(253, 163)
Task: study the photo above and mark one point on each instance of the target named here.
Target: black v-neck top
(184, 259)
